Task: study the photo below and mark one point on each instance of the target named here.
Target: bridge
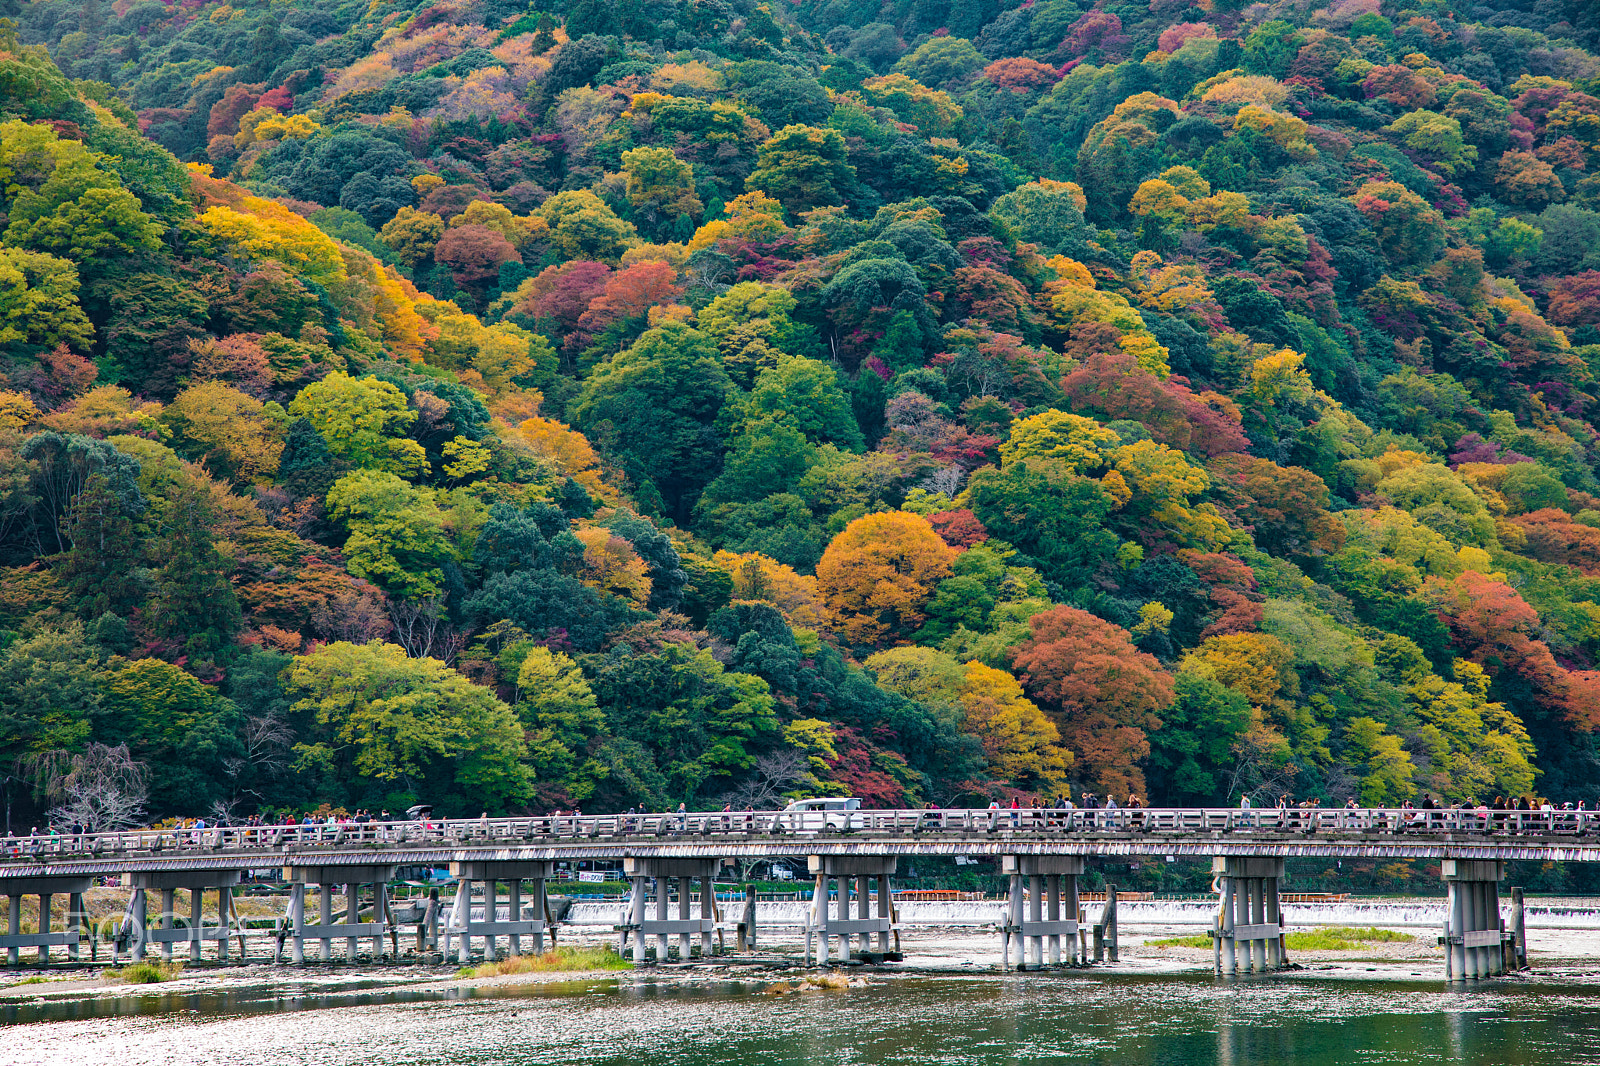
(853, 856)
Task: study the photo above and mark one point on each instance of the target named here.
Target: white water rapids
(1382, 913)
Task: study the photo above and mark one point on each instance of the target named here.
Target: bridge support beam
(329, 880)
(826, 924)
(14, 939)
(1249, 930)
(191, 930)
(1474, 936)
(490, 872)
(641, 926)
(1043, 909)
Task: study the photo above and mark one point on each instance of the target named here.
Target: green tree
(583, 227)
(651, 407)
(39, 301)
(703, 723)
(1194, 748)
(397, 533)
(180, 728)
(193, 602)
(361, 420)
(806, 394)
(96, 571)
(49, 692)
(941, 62)
(559, 709)
(1049, 512)
(1387, 781)
(381, 720)
(803, 167)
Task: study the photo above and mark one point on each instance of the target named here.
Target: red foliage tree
(474, 254)
(1286, 506)
(1495, 627)
(236, 100)
(1110, 385)
(630, 293)
(1103, 693)
(959, 529)
(1575, 299)
(1173, 37)
(1021, 75)
(1233, 592)
(1399, 85)
(563, 293)
(1553, 537)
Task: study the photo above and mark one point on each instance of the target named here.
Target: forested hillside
(667, 401)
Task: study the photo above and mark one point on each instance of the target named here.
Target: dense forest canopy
(711, 401)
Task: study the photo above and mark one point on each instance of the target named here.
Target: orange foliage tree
(877, 575)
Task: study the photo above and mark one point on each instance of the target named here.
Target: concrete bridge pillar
(645, 873)
(490, 872)
(1042, 888)
(1249, 930)
(329, 880)
(1474, 936)
(828, 922)
(194, 931)
(43, 937)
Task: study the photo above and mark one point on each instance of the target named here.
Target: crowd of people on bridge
(1090, 810)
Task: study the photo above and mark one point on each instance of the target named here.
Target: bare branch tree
(352, 617)
(105, 788)
(423, 629)
(947, 481)
(775, 773)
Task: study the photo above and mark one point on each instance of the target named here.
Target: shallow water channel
(1109, 1020)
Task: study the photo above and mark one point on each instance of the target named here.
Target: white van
(814, 815)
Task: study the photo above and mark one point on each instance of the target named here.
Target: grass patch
(28, 981)
(1342, 938)
(146, 973)
(560, 959)
(1182, 942)
(1338, 938)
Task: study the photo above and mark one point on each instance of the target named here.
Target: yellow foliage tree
(569, 449)
(1022, 744)
(1081, 443)
(758, 578)
(611, 565)
(878, 574)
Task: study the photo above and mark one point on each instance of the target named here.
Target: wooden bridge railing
(447, 834)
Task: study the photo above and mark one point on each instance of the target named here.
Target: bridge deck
(1563, 836)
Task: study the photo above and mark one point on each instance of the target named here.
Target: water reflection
(1108, 1020)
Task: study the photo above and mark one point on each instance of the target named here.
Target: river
(1105, 1019)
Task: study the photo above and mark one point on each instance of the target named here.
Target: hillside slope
(704, 401)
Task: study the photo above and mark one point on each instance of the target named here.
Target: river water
(1105, 1019)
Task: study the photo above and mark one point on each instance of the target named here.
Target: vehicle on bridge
(819, 814)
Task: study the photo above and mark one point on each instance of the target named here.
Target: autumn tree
(474, 254)
(878, 574)
(234, 435)
(1104, 694)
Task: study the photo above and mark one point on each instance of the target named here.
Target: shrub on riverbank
(145, 973)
